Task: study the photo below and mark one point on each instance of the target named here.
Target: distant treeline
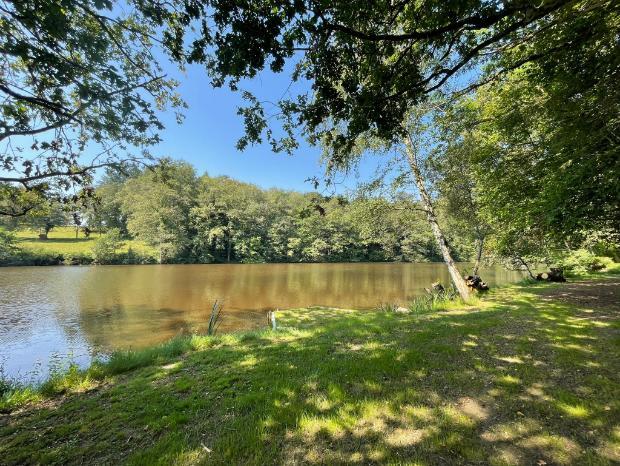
(203, 219)
(190, 218)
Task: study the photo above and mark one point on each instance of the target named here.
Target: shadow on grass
(55, 240)
(519, 382)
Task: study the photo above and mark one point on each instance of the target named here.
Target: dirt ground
(600, 294)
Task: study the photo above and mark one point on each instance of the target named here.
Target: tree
(548, 160)
(45, 217)
(540, 142)
(413, 157)
(451, 167)
(157, 205)
(105, 209)
(107, 245)
(81, 86)
(7, 244)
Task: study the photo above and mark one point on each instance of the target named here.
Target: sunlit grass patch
(62, 241)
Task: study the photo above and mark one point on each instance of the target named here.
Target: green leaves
(77, 75)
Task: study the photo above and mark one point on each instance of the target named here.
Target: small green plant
(6, 384)
(215, 318)
(106, 247)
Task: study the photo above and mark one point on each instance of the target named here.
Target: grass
(516, 379)
(62, 241)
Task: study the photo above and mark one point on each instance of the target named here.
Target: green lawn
(62, 240)
(522, 378)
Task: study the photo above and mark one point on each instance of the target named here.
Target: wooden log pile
(475, 283)
(554, 275)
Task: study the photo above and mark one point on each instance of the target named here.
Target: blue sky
(211, 128)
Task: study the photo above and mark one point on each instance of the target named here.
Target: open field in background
(529, 375)
(62, 240)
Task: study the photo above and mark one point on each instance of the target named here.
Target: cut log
(475, 283)
(554, 275)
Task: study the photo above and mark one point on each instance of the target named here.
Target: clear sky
(211, 128)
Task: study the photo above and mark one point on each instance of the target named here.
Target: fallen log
(554, 275)
(475, 283)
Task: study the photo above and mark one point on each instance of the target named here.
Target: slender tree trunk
(479, 248)
(526, 267)
(456, 276)
(229, 247)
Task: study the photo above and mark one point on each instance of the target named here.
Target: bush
(22, 257)
(106, 247)
(582, 261)
(7, 245)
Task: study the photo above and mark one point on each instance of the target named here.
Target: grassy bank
(526, 375)
(62, 247)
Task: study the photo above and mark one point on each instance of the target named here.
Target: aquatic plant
(215, 319)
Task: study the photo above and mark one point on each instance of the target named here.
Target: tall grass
(215, 318)
(435, 301)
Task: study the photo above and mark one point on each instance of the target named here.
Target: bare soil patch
(600, 294)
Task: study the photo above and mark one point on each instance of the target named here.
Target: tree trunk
(228, 247)
(456, 276)
(526, 267)
(480, 246)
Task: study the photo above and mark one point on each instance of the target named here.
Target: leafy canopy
(78, 76)
(366, 63)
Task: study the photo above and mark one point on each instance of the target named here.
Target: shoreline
(185, 339)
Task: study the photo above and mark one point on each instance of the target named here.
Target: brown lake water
(52, 314)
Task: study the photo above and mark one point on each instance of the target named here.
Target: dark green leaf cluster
(366, 63)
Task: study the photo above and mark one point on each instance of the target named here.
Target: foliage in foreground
(516, 380)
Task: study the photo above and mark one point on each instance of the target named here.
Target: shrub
(582, 261)
(106, 246)
(27, 257)
(7, 244)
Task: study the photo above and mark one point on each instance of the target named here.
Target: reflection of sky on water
(39, 323)
(47, 313)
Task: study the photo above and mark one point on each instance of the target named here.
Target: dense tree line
(190, 218)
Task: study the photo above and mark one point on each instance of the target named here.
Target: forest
(187, 218)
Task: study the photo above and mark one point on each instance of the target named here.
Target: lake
(49, 314)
